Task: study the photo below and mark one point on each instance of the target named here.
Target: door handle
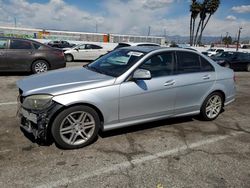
(206, 77)
(169, 83)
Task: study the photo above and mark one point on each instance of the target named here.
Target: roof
(144, 49)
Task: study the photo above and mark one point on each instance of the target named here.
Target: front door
(145, 99)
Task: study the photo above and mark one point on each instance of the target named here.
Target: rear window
(20, 44)
(121, 45)
(38, 46)
(190, 62)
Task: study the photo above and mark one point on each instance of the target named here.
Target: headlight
(37, 102)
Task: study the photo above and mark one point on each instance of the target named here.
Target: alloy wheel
(77, 128)
(213, 106)
(40, 67)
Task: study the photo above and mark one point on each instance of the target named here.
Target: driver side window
(160, 64)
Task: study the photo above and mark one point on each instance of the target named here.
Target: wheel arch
(214, 91)
(58, 111)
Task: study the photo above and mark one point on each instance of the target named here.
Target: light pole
(238, 41)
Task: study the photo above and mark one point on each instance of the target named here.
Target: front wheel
(75, 127)
(40, 66)
(212, 106)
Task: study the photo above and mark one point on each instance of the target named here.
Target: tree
(207, 7)
(227, 40)
(195, 10)
(211, 8)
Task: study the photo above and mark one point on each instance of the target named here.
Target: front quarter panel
(103, 98)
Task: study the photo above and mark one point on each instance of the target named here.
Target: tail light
(234, 78)
(59, 53)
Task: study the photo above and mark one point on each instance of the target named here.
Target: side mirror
(77, 49)
(142, 74)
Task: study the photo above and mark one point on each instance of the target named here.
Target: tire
(227, 65)
(69, 128)
(248, 67)
(69, 58)
(212, 106)
(39, 66)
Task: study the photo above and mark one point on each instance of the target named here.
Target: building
(76, 36)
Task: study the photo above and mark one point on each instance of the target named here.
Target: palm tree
(211, 8)
(203, 11)
(195, 10)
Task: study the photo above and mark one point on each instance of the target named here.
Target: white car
(127, 44)
(84, 52)
(214, 51)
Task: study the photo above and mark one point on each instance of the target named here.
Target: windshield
(211, 50)
(224, 54)
(116, 63)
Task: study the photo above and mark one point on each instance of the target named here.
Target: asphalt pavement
(179, 152)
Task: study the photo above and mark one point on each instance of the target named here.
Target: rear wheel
(40, 66)
(248, 67)
(227, 65)
(69, 57)
(212, 106)
(75, 127)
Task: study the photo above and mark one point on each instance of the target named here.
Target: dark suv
(60, 44)
(234, 60)
(28, 55)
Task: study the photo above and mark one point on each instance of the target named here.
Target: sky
(170, 17)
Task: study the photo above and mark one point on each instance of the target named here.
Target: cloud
(231, 18)
(116, 16)
(156, 4)
(241, 9)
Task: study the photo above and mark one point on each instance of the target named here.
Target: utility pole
(96, 27)
(15, 21)
(238, 41)
(149, 28)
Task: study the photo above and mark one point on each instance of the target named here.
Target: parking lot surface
(180, 152)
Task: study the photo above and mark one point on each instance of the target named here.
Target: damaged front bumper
(37, 122)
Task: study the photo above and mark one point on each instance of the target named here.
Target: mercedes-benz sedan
(128, 86)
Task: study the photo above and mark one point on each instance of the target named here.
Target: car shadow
(15, 74)
(146, 126)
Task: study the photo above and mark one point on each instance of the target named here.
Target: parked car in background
(127, 44)
(28, 55)
(60, 44)
(213, 51)
(84, 52)
(127, 86)
(233, 60)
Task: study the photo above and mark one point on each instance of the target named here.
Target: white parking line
(127, 164)
(7, 103)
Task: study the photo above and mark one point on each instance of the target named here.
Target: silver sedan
(128, 86)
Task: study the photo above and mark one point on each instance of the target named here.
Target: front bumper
(37, 122)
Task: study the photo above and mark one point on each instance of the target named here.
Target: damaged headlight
(37, 102)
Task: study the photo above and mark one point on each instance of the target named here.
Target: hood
(63, 81)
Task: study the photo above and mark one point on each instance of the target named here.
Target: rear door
(19, 55)
(3, 49)
(195, 79)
